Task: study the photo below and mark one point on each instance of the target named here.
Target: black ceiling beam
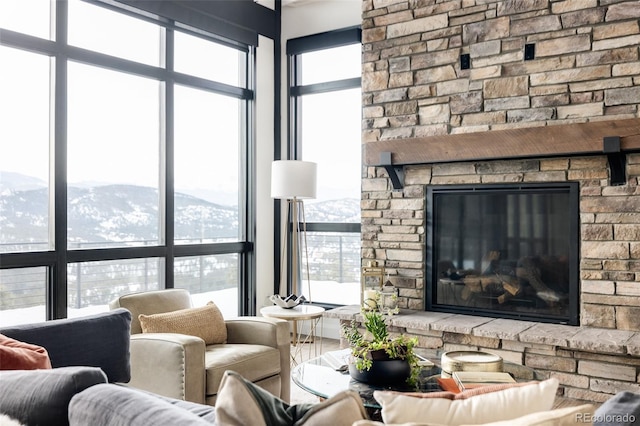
(238, 20)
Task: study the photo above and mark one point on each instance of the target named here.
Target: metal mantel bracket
(396, 173)
(617, 160)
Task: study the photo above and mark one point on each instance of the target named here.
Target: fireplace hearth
(505, 251)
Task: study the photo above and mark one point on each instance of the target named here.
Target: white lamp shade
(293, 178)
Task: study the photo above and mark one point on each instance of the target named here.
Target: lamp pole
(295, 260)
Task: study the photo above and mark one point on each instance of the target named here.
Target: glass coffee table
(318, 378)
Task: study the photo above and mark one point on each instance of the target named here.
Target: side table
(311, 313)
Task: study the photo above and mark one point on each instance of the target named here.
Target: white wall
(312, 17)
(264, 155)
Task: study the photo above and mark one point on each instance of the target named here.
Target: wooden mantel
(547, 141)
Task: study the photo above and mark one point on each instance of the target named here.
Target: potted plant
(379, 358)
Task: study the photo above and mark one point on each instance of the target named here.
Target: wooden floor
(300, 396)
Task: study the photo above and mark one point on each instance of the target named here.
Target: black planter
(383, 372)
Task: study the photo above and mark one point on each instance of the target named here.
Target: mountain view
(109, 215)
(124, 215)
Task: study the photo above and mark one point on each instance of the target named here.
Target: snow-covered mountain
(129, 213)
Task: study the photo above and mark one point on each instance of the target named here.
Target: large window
(124, 158)
(326, 106)
(24, 151)
(113, 174)
(206, 128)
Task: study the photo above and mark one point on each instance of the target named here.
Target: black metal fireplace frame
(573, 190)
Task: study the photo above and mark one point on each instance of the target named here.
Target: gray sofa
(90, 360)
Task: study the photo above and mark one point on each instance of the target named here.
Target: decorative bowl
(469, 361)
(288, 302)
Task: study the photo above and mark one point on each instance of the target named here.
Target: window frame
(59, 257)
(295, 48)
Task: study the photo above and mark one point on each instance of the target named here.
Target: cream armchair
(183, 367)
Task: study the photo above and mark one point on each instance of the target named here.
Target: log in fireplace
(504, 250)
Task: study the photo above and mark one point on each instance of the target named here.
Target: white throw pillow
(8, 421)
(505, 404)
(580, 415)
(570, 416)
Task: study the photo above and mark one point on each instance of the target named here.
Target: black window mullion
(27, 42)
(330, 86)
(168, 159)
(324, 40)
(247, 292)
(56, 306)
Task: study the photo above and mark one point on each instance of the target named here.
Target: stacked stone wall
(586, 68)
(586, 65)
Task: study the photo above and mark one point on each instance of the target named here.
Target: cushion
(98, 340)
(8, 421)
(260, 408)
(621, 409)
(253, 362)
(495, 406)
(579, 416)
(41, 397)
(205, 322)
(17, 355)
(116, 405)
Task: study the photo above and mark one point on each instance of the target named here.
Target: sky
(114, 118)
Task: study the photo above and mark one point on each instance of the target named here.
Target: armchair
(183, 367)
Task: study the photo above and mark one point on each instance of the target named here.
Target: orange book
(472, 379)
(448, 384)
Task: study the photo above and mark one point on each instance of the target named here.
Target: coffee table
(317, 377)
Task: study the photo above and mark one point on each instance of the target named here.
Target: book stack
(338, 360)
(473, 379)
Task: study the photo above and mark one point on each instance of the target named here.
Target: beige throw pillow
(500, 405)
(205, 322)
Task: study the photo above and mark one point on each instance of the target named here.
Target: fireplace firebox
(504, 250)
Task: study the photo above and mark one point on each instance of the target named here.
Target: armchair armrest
(168, 364)
(265, 331)
(258, 331)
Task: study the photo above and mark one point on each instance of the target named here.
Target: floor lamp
(295, 180)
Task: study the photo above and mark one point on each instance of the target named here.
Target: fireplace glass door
(504, 251)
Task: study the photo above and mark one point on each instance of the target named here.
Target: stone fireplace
(504, 92)
(505, 119)
(503, 250)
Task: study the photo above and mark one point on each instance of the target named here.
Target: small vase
(383, 371)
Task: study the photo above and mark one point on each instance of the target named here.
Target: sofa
(85, 383)
(82, 351)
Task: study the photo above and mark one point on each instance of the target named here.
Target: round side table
(311, 313)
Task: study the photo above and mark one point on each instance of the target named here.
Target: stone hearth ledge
(588, 339)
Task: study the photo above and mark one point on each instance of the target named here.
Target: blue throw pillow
(98, 340)
(41, 397)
